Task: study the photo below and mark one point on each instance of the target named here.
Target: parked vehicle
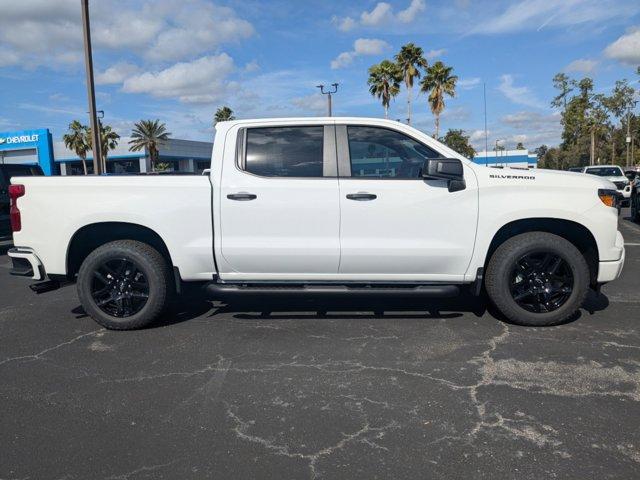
(615, 175)
(575, 169)
(6, 172)
(322, 205)
(634, 201)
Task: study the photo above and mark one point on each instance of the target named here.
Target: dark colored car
(7, 171)
(634, 201)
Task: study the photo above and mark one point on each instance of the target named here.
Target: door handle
(242, 196)
(361, 196)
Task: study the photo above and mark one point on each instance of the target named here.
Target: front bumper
(26, 263)
(608, 271)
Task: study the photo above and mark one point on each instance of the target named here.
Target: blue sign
(28, 147)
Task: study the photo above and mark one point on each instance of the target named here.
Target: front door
(395, 225)
(280, 212)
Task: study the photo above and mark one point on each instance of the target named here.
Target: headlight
(608, 197)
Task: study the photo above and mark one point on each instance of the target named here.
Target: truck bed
(177, 208)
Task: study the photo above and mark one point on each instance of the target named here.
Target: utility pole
(329, 93)
(91, 92)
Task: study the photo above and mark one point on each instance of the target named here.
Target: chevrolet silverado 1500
(340, 205)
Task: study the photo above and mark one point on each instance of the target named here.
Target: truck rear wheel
(537, 279)
(124, 285)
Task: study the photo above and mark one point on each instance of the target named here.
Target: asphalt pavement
(328, 388)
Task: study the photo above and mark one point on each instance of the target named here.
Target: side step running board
(218, 289)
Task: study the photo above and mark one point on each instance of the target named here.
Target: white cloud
(125, 30)
(252, 66)
(197, 27)
(409, 14)
(343, 60)
(626, 49)
(382, 15)
(37, 32)
(519, 95)
(532, 128)
(469, 83)
(344, 24)
(369, 46)
(362, 46)
(478, 135)
(116, 73)
(315, 103)
(539, 14)
(582, 65)
(531, 120)
(456, 114)
(49, 33)
(201, 81)
(431, 54)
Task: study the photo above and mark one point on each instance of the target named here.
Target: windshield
(605, 171)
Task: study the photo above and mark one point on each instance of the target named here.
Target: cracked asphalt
(320, 388)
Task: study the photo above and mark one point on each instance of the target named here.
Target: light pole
(91, 92)
(329, 93)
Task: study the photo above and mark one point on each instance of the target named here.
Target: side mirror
(449, 169)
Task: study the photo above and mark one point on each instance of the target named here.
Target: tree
(541, 151)
(77, 140)
(223, 114)
(520, 146)
(410, 59)
(108, 141)
(149, 135)
(458, 141)
(565, 85)
(438, 82)
(619, 104)
(384, 82)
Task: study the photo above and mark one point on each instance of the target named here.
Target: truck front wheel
(124, 284)
(537, 279)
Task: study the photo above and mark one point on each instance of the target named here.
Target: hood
(544, 178)
(617, 178)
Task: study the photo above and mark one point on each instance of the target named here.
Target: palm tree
(223, 114)
(410, 59)
(76, 139)
(438, 82)
(149, 135)
(384, 82)
(108, 141)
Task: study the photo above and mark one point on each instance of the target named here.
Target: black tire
(548, 298)
(115, 289)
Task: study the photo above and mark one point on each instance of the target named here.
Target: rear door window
(285, 151)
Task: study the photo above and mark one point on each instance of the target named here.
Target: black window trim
(344, 152)
(329, 156)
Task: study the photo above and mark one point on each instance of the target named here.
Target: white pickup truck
(317, 205)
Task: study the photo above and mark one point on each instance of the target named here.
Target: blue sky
(179, 61)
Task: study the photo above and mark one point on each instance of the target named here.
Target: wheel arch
(579, 235)
(92, 236)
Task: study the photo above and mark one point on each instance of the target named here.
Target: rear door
(395, 225)
(279, 201)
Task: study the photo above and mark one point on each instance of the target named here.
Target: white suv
(615, 175)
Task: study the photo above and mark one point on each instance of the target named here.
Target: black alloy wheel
(541, 282)
(119, 287)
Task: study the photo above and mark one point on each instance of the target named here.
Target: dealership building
(36, 147)
(507, 158)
